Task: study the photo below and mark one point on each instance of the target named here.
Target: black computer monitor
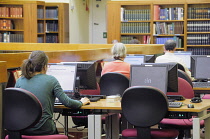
(160, 75)
(200, 66)
(150, 58)
(86, 75)
(135, 58)
(185, 55)
(65, 74)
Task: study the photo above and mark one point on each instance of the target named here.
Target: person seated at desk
(169, 48)
(46, 88)
(134, 41)
(118, 65)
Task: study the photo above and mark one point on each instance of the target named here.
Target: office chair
(183, 125)
(183, 75)
(143, 107)
(22, 110)
(180, 67)
(113, 83)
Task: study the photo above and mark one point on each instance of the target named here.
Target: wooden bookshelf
(57, 21)
(25, 21)
(189, 25)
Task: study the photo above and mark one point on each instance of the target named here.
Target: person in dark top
(46, 88)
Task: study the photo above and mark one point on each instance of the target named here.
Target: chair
(22, 110)
(183, 75)
(184, 125)
(143, 107)
(180, 67)
(113, 83)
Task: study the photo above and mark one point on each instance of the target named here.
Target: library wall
(79, 22)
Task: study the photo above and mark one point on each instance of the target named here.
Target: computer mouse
(196, 100)
(190, 105)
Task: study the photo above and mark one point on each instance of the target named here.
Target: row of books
(135, 27)
(162, 40)
(16, 12)
(40, 39)
(198, 26)
(6, 24)
(144, 39)
(198, 39)
(8, 37)
(40, 27)
(199, 51)
(52, 13)
(40, 13)
(51, 38)
(52, 26)
(169, 28)
(135, 15)
(198, 12)
(176, 13)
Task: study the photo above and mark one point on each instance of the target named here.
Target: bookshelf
(57, 21)
(156, 21)
(198, 28)
(28, 21)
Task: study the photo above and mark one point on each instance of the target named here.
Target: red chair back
(185, 89)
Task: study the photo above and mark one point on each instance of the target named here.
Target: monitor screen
(135, 59)
(185, 55)
(65, 74)
(160, 75)
(86, 74)
(150, 58)
(200, 66)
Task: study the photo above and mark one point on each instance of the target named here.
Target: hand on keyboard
(85, 101)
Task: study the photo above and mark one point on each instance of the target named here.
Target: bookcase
(57, 22)
(32, 22)
(156, 21)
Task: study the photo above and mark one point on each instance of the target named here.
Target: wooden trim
(68, 52)
(3, 71)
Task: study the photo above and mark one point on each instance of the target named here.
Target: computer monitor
(135, 58)
(200, 66)
(185, 55)
(86, 75)
(150, 58)
(65, 74)
(160, 75)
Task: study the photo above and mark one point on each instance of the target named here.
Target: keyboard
(175, 104)
(201, 84)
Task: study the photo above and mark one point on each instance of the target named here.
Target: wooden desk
(94, 120)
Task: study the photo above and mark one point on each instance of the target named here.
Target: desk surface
(102, 104)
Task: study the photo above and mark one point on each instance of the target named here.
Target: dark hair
(35, 63)
(170, 45)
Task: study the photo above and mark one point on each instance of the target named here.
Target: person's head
(170, 45)
(37, 62)
(134, 37)
(114, 41)
(119, 51)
